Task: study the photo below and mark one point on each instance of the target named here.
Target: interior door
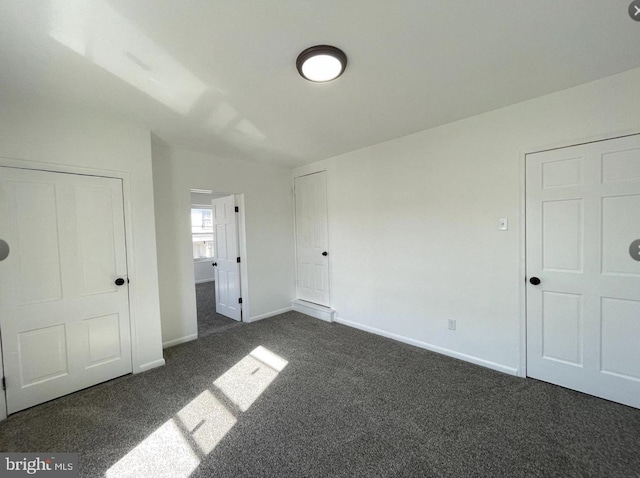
(312, 261)
(583, 246)
(227, 258)
(63, 319)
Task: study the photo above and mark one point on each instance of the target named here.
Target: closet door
(64, 303)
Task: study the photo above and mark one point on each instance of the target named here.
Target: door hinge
(4, 383)
(237, 209)
(238, 260)
(239, 300)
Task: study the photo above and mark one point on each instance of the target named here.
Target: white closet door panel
(227, 270)
(312, 261)
(64, 323)
(583, 319)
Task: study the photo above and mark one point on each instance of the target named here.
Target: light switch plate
(503, 224)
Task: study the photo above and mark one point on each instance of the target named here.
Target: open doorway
(219, 301)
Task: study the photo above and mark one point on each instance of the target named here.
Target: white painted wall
(269, 232)
(34, 130)
(203, 271)
(203, 199)
(414, 236)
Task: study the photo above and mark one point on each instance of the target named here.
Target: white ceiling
(219, 75)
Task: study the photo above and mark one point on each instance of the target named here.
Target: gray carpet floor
(347, 403)
(209, 322)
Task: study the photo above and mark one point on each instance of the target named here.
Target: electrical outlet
(452, 324)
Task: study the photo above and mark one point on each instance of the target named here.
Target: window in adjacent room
(202, 233)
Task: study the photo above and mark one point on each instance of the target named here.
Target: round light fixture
(321, 63)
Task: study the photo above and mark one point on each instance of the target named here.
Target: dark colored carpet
(208, 321)
(347, 404)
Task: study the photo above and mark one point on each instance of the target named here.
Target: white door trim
(242, 247)
(522, 288)
(131, 268)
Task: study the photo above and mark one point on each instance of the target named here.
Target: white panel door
(583, 221)
(312, 261)
(227, 265)
(64, 321)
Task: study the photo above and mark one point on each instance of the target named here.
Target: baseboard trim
(433, 348)
(149, 365)
(314, 310)
(181, 340)
(268, 314)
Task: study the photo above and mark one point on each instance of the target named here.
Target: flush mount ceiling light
(321, 63)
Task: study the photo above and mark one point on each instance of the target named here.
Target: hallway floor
(209, 322)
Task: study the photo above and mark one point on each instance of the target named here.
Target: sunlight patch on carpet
(177, 447)
(248, 379)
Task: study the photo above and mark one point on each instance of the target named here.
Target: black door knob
(214, 264)
(119, 281)
(534, 281)
(325, 253)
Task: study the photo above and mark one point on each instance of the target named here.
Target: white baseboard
(433, 348)
(268, 314)
(149, 365)
(314, 310)
(181, 340)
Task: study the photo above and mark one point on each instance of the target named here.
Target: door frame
(245, 316)
(522, 229)
(128, 228)
(295, 219)
(242, 250)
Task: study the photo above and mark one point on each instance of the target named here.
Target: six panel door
(583, 319)
(227, 275)
(312, 261)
